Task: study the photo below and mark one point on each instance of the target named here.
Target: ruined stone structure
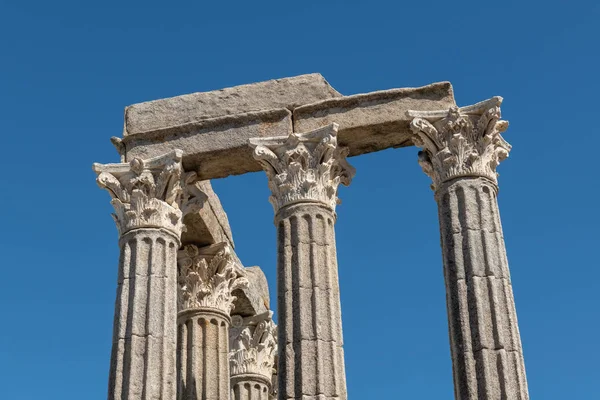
(192, 323)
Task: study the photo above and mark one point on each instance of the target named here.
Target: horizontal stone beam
(373, 121)
(287, 93)
(215, 141)
(214, 148)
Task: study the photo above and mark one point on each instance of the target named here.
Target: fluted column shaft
(250, 387)
(144, 341)
(461, 149)
(207, 277)
(311, 355)
(147, 197)
(203, 355)
(487, 356)
(304, 171)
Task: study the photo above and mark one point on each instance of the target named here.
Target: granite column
(461, 149)
(253, 346)
(207, 277)
(146, 198)
(304, 171)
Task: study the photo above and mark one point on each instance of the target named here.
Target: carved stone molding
(208, 276)
(304, 167)
(461, 141)
(253, 344)
(152, 193)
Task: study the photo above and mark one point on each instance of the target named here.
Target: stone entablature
(214, 127)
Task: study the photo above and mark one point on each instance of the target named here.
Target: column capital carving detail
(304, 167)
(460, 142)
(152, 193)
(208, 276)
(253, 345)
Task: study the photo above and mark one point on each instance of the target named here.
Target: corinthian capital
(461, 141)
(151, 193)
(253, 345)
(208, 276)
(304, 167)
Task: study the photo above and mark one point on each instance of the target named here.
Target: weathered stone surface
(459, 142)
(249, 387)
(202, 355)
(277, 93)
(311, 358)
(304, 171)
(214, 148)
(297, 127)
(461, 150)
(304, 167)
(207, 278)
(486, 350)
(150, 197)
(253, 345)
(374, 121)
(254, 299)
(142, 185)
(153, 192)
(209, 224)
(144, 336)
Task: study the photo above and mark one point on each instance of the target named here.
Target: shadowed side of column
(461, 149)
(202, 356)
(485, 342)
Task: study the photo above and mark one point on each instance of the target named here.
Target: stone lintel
(217, 146)
(214, 148)
(273, 94)
(475, 109)
(374, 121)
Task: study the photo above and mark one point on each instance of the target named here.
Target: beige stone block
(374, 121)
(209, 225)
(254, 299)
(180, 110)
(214, 148)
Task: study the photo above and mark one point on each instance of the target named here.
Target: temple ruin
(193, 323)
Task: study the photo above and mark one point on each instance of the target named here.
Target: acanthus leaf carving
(145, 193)
(461, 141)
(304, 167)
(253, 345)
(193, 198)
(208, 276)
(152, 193)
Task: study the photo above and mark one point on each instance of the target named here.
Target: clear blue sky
(68, 69)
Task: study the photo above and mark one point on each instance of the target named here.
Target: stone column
(253, 345)
(146, 196)
(304, 171)
(461, 150)
(207, 278)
